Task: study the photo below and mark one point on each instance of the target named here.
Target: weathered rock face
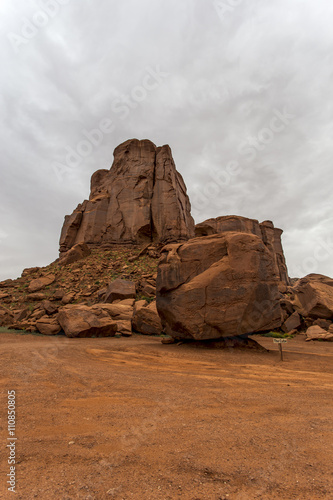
(84, 321)
(147, 321)
(48, 326)
(77, 252)
(317, 333)
(120, 289)
(142, 198)
(6, 316)
(313, 296)
(270, 235)
(218, 286)
(292, 323)
(40, 283)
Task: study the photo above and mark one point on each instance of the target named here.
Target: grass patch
(144, 297)
(4, 329)
(278, 335)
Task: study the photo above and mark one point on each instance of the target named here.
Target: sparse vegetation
(97, 270)
(278, 335)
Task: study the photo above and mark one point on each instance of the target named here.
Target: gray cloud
(229, 69)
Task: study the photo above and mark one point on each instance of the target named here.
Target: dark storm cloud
(206, 77)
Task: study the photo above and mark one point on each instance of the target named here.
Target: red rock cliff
(142, 198)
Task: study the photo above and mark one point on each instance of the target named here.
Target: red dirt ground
(135, 419)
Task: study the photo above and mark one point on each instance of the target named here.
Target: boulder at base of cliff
(292, 323)
(146, 320)
(118, 312)
(85, 321)
(124, 327)
(6, 316)
(218, 286)
(317, 333)
(48, 325)
(313, 296)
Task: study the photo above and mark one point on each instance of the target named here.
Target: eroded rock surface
(270, 235)
(142, 198)
(84, 321)
(218, 286)
(146, 320)
(313, 296)
(120, 289)
(317, 333)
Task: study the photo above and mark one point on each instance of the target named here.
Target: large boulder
(117, 311)
(48, 325)
(77, 252)
(49, 308)
(40, 283)
(142, 198)
(124, 327)
(270, 235)
(120, 289)
(21, 314)
(121, 313)
(146, 320)
(318, 333)
(36, 296)
(85, 321)
(218, 286)
(313, 296)
(292, 323)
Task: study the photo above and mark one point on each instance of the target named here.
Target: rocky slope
(33, 301)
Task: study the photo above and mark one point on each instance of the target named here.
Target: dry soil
(130, 418)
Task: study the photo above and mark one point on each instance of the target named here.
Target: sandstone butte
(141, 199)
(226, 276)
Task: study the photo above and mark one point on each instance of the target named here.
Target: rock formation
(218, 286)
(147, 321)
(141, 199)
(313, 296)
(223, 277)
(318, 333)
(270, 235)
(84, 321)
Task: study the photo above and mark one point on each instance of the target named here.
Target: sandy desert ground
(131, 418)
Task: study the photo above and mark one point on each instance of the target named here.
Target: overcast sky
(242, 91)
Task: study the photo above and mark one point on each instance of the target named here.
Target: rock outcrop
(270, 235)
(147, 321)
(120, 289)
(48, 325)
(40, 283)
(77, 252)
(84, 321)
(318, 333)
(141, 199)
(313, 296)
(218, 286)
